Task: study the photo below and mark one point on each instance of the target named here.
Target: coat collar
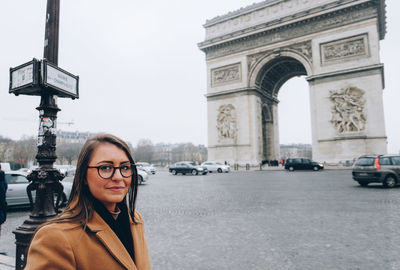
(110, 240)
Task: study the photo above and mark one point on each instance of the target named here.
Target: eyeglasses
(107, 171)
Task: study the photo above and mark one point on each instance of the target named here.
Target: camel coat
(65, 246)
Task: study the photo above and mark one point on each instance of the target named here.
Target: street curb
(7, 262)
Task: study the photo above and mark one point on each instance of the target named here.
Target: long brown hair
(80, 204)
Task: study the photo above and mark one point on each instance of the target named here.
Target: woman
(99, 228)
(3, 202)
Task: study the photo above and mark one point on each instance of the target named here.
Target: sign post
(45, 79)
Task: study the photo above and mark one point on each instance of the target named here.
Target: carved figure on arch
(226, 122)
(348, 109)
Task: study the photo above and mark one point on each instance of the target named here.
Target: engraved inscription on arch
(345, 49)
(348, 110)
(226, 74)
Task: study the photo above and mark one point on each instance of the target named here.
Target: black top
(120, 226)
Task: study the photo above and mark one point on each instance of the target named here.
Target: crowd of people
(273, 163)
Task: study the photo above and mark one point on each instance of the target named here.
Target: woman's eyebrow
(105, 161)
(111, 162)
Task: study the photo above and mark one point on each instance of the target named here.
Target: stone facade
(252, 52)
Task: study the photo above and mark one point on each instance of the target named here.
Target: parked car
(292, 164)
(185, 167)
(149, 168)
(383, 169)
(16, 192)
(213, 166)
(67, 170)
(143, 176)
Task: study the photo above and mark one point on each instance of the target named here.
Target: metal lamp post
(45, 79)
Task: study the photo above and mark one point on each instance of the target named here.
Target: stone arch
(275, 57)
(268, 75)
(252, 52)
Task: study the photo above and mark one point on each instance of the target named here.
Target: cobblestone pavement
(264, 220)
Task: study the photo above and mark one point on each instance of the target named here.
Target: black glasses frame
(114, 168)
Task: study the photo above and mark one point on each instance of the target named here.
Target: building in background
(73, 136)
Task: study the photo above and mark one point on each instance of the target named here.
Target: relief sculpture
(348, 110)
(226, 74)
(226, 122)
(348, 48)
(303, 48)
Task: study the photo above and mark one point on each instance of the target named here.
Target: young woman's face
(113, 190)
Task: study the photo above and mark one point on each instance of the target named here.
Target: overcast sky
(141, 72)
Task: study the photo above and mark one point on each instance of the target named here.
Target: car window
(306, 161)
(16, 179)
(396, 160)
(365, 161)
(297, 160)
(385, 161)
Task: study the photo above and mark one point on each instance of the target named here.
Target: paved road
(264, 220)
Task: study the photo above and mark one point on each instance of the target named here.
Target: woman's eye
(125, 167)
(106, 168)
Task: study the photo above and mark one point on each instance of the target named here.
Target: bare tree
(68, 152)
(24, 150)
(144, 150)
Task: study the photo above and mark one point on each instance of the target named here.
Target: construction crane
(16, 119)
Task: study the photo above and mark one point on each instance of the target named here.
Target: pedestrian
(3, 202)
(99, 228)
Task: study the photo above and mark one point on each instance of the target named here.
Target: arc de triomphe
(252, 52)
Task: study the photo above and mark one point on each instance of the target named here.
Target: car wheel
(390, 181)
(291, 168)
(140, 180)
(219, 170)
(315, 168)
(174, 172)
(194, 172)
(363, 184)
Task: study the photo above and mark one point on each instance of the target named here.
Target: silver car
(213, 166)
(147, 167)
(143, 176)
(16, 192)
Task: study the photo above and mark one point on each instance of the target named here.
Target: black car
(383, 169)
(185, 167)
(292, 164)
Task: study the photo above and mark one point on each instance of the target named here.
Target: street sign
(59, 80)
(36, 77)
(24, 79)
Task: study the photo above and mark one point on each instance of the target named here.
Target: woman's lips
(116, 188)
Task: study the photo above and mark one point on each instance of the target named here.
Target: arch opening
(270, 79)
(276, 72)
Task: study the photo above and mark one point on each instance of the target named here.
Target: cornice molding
(241, 91)
(377, 67)
(237, 41)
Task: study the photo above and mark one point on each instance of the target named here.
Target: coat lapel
(139, 242)
(110, 241)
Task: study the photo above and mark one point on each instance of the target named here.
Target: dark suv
(292, 164)
(383, 169)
